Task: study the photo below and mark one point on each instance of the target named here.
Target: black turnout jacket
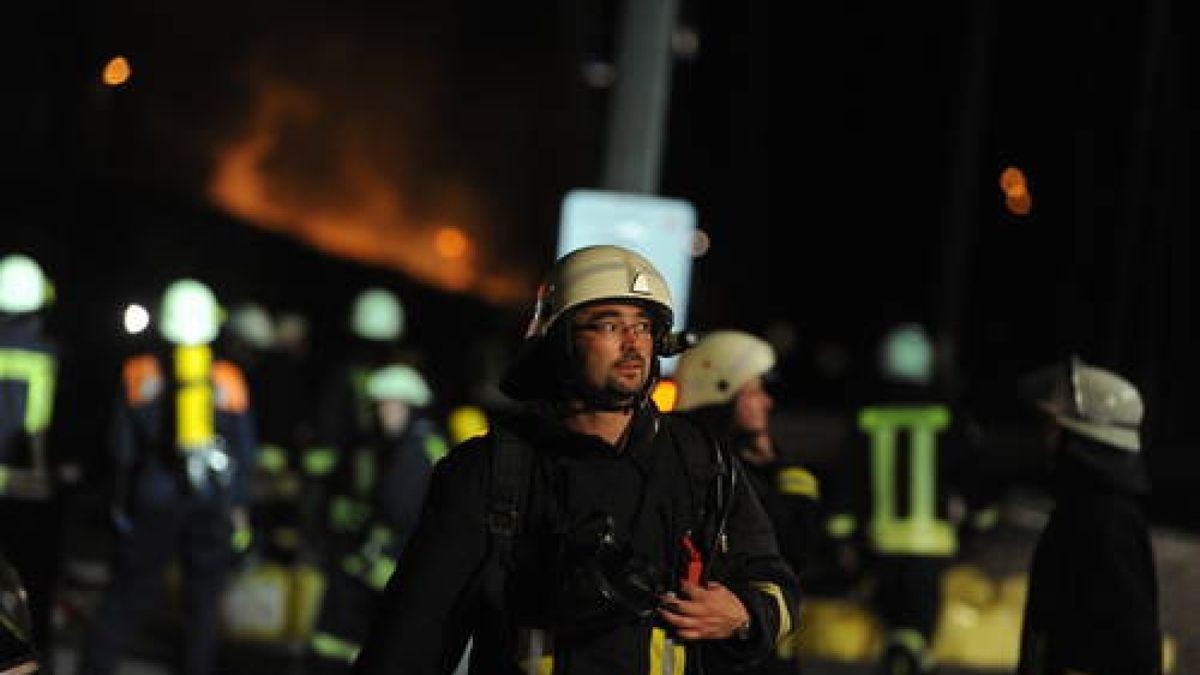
(661, 486)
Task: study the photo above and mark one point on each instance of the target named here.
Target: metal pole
(638, 114)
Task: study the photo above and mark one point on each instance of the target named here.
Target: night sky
(846, 170)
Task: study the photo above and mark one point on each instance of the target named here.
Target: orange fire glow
(354, 208)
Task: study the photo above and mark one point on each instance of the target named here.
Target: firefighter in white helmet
(723, 383)
(904, 481)
(587, 533)
(30, 463)
(1092, 605)
(377, 322)
(377, 495)
(183, 443)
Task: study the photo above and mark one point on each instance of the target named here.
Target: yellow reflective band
(666, 656)
(928, 537)
(785, 614)
(241, 539)
(348, 515)
(36, 370)
(841, 525)
(319, 461)
(435, 448)
(334, 647)
(920, 532)
(786, 649)
(3, 479)
(535, 652)
(272, 458)
(799, 482)
(380, 572)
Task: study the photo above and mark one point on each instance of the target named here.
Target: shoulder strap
(710, 458)
(510, 470)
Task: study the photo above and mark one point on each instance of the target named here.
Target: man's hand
(708, 612)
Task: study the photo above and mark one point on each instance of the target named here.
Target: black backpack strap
(511, 459)
(710, 459)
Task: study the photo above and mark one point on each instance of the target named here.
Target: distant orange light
(1017, 197)
(665, 394)
(116, 72)
(450, 243)
(1011, 179)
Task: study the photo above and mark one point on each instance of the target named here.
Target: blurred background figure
(1092, 605)
(30, 508)
(183, 440)
(343, 410)
(723, 384)
(901, 492)
(377, 493)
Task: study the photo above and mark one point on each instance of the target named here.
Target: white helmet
(1092, 402)
(720, 364)
(601, 272)
(23, 285)
(589, 274)
(377, 315)
(906, 355)
(398, 382)
(252, 323)
(189, 314)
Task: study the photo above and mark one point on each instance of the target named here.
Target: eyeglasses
(612, 329)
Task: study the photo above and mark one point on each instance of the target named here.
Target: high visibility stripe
(841, 525)
(535, 652)
(194, 423)
(666, 656)
(334, 647)
(799, 482)
(785, 613)
(435, 448)
(319, 461)
(921, 532)
(272, 459)
(36, 370)
(232, 392)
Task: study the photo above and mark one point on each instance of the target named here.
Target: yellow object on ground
(273, 603)
(979, 625)
(838, 629)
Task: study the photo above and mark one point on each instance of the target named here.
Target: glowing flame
(353, 207)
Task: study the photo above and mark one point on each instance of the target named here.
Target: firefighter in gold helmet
(723, 383)
(30, 489)
(1092, 605)
(183, 442)
(587, 533)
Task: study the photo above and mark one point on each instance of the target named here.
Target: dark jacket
(1093, 592)
(148, 463)
(655, 491)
